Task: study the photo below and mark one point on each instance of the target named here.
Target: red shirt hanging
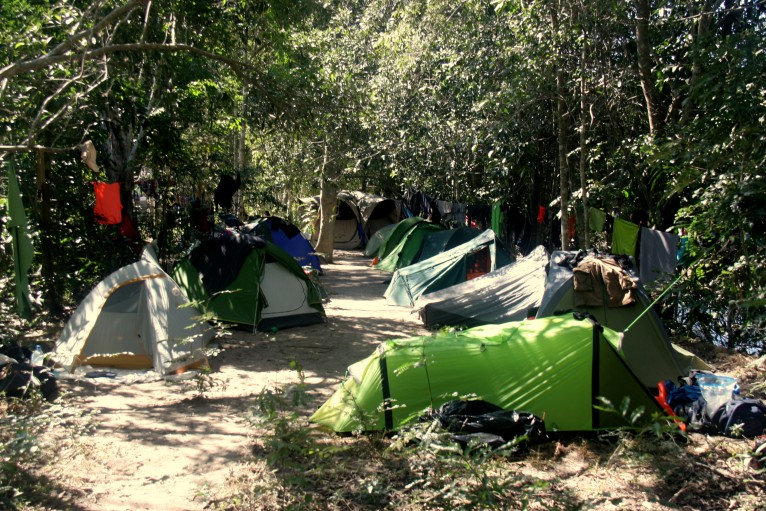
(108, 208)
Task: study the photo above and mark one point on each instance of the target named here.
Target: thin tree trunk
(47, 252)
(562, 137)
(583, 146)
(698, 35)
(644, 54)
(328, 198)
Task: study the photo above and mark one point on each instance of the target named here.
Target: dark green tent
(407, 250)
(396, 234)
(439, 242)
(556, 368)
(246, 280)
(478, 256)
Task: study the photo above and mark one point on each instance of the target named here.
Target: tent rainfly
(478, 256)
(136, 318)
(510, 293)
(408, 249)
(286, 236)
(556, 368)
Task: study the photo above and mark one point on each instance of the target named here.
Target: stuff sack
(18, 380)
(488, 423)
(740, 417)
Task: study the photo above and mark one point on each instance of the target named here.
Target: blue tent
(287, 237)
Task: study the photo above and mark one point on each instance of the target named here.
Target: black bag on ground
(18, 380)
(740, 417)
(485, 422)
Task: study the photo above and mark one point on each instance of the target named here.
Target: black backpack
(490, 424)
(740, 417)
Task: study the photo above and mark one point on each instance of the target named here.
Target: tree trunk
(583, 146)
(562, 138)
(328, 198)
(698, 34)
(47, 253)
(644, 54)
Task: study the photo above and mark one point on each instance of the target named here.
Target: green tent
(396, 234)
(478, 256)
(408, 249)
(646, 342)
(555, 368)
(249, 281)
(439, 242)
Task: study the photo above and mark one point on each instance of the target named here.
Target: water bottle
(38, 357)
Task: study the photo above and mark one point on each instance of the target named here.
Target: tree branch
(49, 60)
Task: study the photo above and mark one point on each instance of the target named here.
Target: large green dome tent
(556, 368)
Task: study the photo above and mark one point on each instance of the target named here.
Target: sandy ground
(161, 446)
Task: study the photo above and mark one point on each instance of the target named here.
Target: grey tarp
(509, 293)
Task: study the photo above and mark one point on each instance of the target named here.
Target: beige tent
(136, 318)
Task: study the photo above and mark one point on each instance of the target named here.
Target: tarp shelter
(479, 256)
(136, 318)
(510, 293)
(376, 211)
(348, 231)
(408, 249)
(646, 343)
(242, 279)
(555, 368)
(286, 236)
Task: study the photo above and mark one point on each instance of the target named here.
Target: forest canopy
(652, 111)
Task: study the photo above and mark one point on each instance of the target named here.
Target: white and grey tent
(358, 216)
(375, 211)
(510, 293)
(348, 232)
(136, 318)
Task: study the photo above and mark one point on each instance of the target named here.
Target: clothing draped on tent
(595, 277)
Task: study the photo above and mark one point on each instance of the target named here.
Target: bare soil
(176, 446)
(167, 446)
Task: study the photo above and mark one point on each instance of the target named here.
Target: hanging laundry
(572, 227)
(498, 219)
(23, 249)
(657, 254)
(540, 214)
(596, 220)
(108, 208)
(624, 237)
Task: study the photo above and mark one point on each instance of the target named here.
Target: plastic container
(38, 357)
(717, 390)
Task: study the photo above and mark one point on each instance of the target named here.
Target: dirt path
(160, 446)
